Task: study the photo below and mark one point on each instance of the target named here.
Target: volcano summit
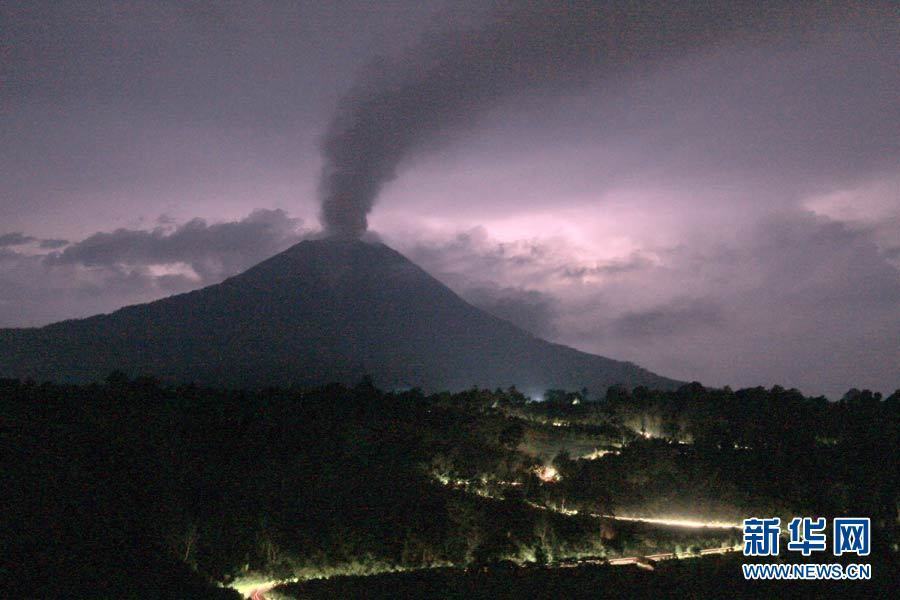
(321, 311)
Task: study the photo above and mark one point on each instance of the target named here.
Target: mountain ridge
(321, 311)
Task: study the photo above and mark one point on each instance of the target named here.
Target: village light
(547, 474)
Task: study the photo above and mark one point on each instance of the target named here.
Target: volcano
(322, 311)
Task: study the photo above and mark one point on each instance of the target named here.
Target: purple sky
(728, 213)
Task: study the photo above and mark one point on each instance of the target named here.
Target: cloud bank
(796, 299)
(108, 270)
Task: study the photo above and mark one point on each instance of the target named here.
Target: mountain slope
(321, 311)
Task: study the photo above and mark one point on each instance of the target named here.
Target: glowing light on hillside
(254, 587)
(598, 453)
(547, 474)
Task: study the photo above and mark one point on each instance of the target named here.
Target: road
(644, 562)
(632, 560)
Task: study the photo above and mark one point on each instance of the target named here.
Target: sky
(715, 198)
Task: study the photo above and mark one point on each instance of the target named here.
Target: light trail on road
(689, 523)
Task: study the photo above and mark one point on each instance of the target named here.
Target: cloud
(793, 298)
(15, 239)
(473, 259)
(108, 270)
(211, 250)
(20, 239)
(531, 310)
(672, 318)
(53, 244)
(636, 261)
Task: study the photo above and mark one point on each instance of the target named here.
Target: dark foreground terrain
(134, 489)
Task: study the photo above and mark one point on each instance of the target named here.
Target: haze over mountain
(321, 311)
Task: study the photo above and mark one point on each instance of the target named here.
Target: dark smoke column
(451, 79)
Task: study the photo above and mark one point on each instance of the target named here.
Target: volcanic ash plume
(450, 79)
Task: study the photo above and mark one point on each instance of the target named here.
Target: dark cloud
(211, 250)
(816, 261)
(15, 239)
(53, 244)
(675, 317)
(110, 269)
(531, 310)
(20, 239)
